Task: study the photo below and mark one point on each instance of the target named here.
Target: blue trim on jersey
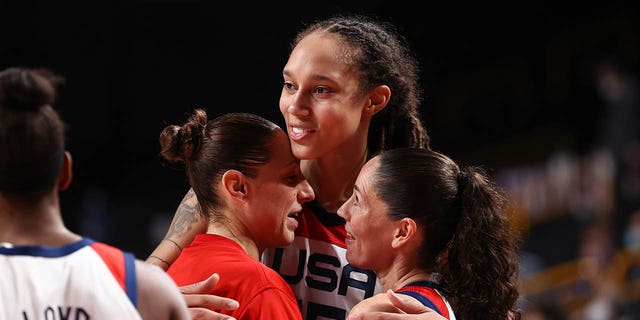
(326, 218)
(130, 282)
(47, 251)
(423, 283)
(424, 300)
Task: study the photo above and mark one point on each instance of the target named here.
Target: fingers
(405, 304)
(413, 309)
(371, 315)
(210, 301)
(206, 314)
(197, 297)
(377, 315)
(203, 286)
(356, 316)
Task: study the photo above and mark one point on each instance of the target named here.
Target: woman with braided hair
(350, 90)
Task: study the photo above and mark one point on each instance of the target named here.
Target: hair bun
(27, 89)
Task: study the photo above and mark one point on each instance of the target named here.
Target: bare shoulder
(158, 295)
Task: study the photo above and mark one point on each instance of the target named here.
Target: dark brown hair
(233, 141)
(470, 241)
(382, 57)
(31, 132)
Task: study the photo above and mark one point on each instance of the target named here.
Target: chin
(303, 152)
(289, 239)
(352, 259)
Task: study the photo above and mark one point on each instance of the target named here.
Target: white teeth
(297, 130)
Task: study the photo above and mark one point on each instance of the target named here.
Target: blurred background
(544, 97)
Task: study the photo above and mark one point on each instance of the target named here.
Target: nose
(294, 100)
(305, 192)
(298, 110)
(297, 104)
(342, 211)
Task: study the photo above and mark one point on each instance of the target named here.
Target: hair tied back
(27, 89)
(462, 178)
(179, 138)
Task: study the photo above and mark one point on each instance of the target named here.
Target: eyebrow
(314, 77)
(291, 163)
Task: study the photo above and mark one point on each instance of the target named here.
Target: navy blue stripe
(422, 300)
(130, 281)
(46, 251)
(326, 218)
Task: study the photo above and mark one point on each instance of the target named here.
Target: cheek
(370, 233)
(273, 196)
(284, 104)
(283, 110)
(284, 196)
(337, 125)
(361, 227)
(348, 121)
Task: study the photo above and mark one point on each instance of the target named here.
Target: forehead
(280, 143)
(319, 58)
(321, 49)
(319, 41)
(365, 176)
(281, 155)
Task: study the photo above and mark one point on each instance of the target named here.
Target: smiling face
(369, 228)
(278, 192)
(320, 100)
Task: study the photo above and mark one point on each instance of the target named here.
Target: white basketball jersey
(82, 280)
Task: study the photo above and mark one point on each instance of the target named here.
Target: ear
(378, 99)
(234, 184)
(66, 172)
(406, 230)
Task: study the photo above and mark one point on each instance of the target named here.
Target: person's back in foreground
(47, 271)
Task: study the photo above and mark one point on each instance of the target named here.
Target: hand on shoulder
(200, 301)
(392, 306)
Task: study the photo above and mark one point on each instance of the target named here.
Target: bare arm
(409, 310)
(158, 296)
(186, 224)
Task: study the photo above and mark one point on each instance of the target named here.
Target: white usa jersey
(315, 265)
(78, 281)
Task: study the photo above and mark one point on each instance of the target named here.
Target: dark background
(505, 86)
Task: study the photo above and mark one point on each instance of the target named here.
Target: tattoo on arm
(187, 214)
(161, 260)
